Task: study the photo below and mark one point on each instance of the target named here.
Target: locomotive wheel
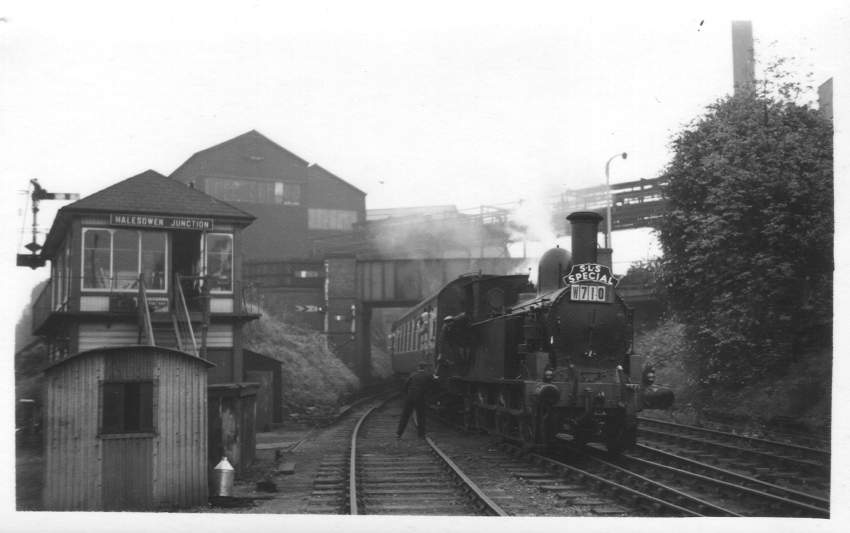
(547, 424)
(527, 432)
(479, 418)
(468, 414)
(503, 423)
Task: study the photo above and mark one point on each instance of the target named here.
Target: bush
(666, 348)
(747, 238)
(314, 379)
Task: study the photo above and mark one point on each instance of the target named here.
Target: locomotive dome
(554, 264)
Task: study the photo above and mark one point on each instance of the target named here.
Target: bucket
(223, 478)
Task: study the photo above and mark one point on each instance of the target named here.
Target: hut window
(127, 407)
(220, 262)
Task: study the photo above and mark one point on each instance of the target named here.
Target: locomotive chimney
(585, 227)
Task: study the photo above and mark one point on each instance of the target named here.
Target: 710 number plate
(587, 293)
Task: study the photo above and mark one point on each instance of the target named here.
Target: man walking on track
(415, 388)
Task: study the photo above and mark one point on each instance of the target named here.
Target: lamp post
(608, 203)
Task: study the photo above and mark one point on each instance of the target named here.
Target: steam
(536, 230)
(526, 229)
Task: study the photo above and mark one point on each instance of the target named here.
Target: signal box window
(127, 407)
(220, 262)
(125, 258)
(97, 266)
(114, 258)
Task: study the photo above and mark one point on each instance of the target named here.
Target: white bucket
(223, 478)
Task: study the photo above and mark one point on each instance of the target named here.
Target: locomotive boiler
(535, 365)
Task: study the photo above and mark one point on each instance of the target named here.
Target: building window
(153, 249)
(114, 259)
(219, 254)
(97, 253)
(331, 219)
(127, 407)
(254, 191)
(290, 193)
(125, 259)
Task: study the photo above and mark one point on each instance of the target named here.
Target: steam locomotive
(530, 365)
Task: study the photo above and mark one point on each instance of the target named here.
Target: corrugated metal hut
(126, 429)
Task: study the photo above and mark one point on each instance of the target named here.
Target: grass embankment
(797, 401)
(315, 381)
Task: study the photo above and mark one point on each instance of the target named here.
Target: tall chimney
(825, 99)
(743, 56)
(585, 227)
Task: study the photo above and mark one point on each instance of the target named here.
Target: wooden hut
(126, 430)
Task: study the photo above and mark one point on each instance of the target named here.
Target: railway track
(755, 496)
(796, 468)
(373, 473)
(406, 476)
(330, 485)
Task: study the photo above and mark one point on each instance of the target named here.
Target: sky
(438, 102)
(445, 102)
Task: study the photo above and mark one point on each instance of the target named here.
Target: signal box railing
(247, 300)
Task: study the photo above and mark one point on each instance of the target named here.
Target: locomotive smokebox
(585, 227)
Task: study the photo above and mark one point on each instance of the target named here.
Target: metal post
(609, 201)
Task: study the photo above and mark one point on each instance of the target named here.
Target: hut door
(127, 473)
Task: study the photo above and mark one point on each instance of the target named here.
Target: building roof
(149, 192)
(315, 166)
(248, 134)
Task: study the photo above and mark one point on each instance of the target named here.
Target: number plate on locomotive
(588, 293)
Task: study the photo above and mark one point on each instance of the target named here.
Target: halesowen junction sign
(161, 222)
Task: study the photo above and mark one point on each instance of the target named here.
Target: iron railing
(123, 297)
(145, 325)
(182, 320)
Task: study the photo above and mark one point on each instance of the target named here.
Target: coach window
(220, 262)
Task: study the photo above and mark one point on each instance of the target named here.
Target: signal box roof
(150, 193)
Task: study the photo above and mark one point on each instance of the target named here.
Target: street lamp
(608, 203)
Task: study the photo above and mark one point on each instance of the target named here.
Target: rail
(489, 505)
(352, 463)
(481, 501)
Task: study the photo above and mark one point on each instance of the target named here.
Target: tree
(747, 240)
